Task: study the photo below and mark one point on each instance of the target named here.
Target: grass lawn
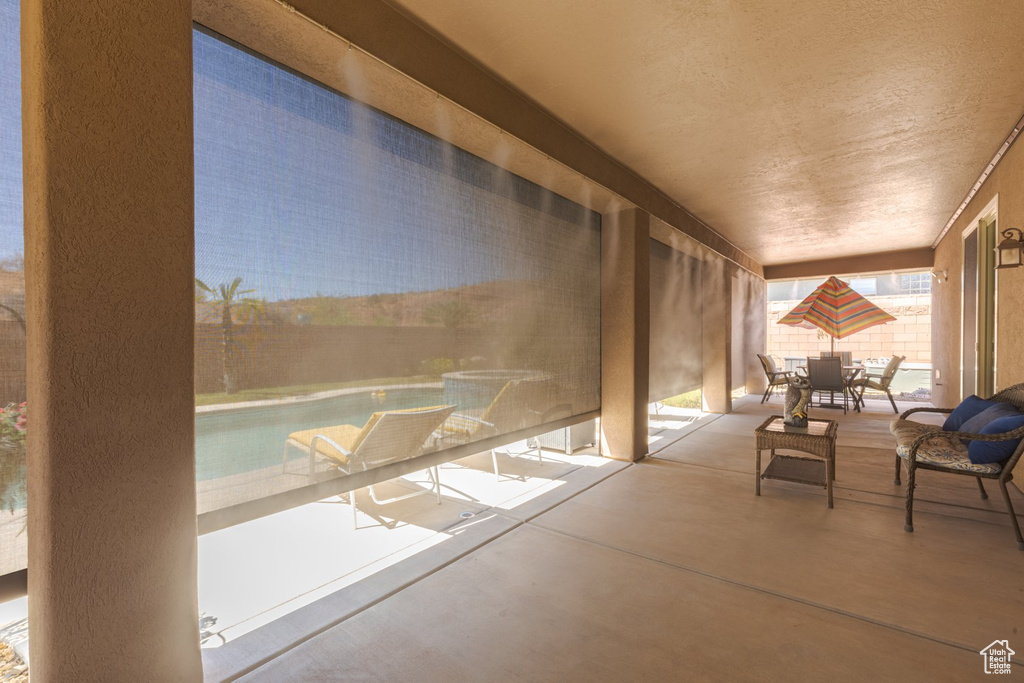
(691, 399)
(306, 389)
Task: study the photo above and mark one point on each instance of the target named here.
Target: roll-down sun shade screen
(676, 358)
(14, 418)
(349, 265)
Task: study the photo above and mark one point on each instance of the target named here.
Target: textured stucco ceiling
(792, 127)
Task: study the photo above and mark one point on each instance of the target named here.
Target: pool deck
(308, 398)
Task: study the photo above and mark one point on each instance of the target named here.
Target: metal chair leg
(896, 479)
(1013, 515)
(892, 401)
(767, 393)
(909, 525)
(981, 487)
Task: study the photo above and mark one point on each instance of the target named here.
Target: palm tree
(233, 304)
(16, 314)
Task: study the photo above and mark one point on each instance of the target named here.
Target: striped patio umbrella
(837, 310)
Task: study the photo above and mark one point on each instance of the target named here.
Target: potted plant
(13, 421)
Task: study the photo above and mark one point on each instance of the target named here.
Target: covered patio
(675, 560)
(230, 227)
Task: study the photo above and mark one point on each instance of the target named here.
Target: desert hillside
(458, 307)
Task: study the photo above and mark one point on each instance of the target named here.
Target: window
(865, 286)
(784, 290)
(349, 264)
(12, 300)
(916, 283)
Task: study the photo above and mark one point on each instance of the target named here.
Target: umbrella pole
(833, 344)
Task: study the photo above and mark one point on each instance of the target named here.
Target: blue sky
(300, 191)
(12, 234)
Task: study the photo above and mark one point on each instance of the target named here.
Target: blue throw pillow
(987, 416)
(971, 406)
(983, 452)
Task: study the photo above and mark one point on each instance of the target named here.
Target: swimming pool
(236, 441)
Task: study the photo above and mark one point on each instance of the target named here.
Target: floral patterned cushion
(907, 431)
(938, 450)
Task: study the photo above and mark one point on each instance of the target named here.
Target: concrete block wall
(910, 335)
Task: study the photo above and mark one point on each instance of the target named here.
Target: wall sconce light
(940, 276)
(1010, 252)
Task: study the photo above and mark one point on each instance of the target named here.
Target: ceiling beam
(862, 263)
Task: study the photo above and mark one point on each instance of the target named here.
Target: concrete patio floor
(254, 573)
(254, 577)
(671, 569)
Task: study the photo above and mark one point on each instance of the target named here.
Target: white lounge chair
(388, 436)
(521, 403)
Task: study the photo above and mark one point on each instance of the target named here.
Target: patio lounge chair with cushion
(387, 437)
(520, 403)
(826, 374)
(991, 452)
(776, 377)
(881, 382)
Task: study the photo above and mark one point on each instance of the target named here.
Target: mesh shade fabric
(13, 550)
(676, 358)
(748, 330)
(378, 268)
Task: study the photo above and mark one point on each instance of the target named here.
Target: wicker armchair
(927, 447)
(776, 378)
(879, 382)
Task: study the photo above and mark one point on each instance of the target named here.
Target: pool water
(237, 441)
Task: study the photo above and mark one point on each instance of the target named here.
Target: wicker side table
(818, 440)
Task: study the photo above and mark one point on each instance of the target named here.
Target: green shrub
(438, 366)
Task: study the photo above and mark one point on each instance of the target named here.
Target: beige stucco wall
(946, 323)
(107, 108)
(625, 333)
(1006, 181)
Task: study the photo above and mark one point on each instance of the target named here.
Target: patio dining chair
(826, 374)
(882, 382)
(845, 356)
(387, 437)
(775, 377)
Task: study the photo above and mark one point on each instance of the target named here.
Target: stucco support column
(755, 330)
(109, 262)
(717, 336)
(625, 333)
